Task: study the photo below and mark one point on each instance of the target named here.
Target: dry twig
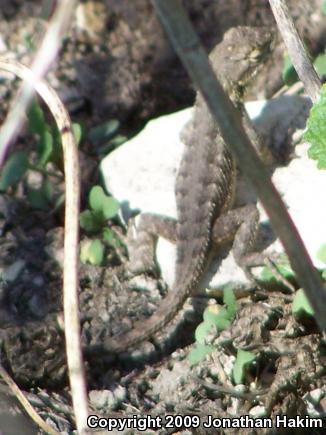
(296, 49)
(25, 403)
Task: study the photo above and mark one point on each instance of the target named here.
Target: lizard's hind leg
(240, 225)
(143, 232)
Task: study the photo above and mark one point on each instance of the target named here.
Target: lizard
(205, 187)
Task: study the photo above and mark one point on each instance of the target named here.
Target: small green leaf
(59, 203)
(229, 297)
(211, 314)
(28, 42)
(110, 207)
(283, 267)
(111, 239)
(218, 316)
(202, 330)
(320, 64)
(110, 145)
(55, 133)
(92, 251)
(96, 198)
(86, 220)
(323, 7)
(230, 302)
(37, 198)
(198, 353)
(243, 360)
(289, 74)
(14, 169)
(321, 254)
(57, 153)
(77, 131)
(36, 120)
(301, 306)
(223, 321)
(324, 274)
(45, 148)
(100, 202)
(91, 221)
(316, 130)
(47, 188)
(103, 132)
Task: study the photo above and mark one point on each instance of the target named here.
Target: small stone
(107, 399)
(257, 411)
(14, 270)
(314, 396)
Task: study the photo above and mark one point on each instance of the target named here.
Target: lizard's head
(237, 59)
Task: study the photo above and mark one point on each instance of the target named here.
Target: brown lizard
(205, 186)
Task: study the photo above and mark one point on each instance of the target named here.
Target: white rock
(141, 172)
(302, 187)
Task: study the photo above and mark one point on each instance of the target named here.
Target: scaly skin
(206, 179)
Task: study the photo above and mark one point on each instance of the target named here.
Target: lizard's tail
(143, 330)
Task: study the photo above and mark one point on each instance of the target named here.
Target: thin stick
(25, 403)
(296, 49)
(45, 55)
(71, 250)
(195, 60)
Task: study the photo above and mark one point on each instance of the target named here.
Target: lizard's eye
(255, 54)
(258, 54)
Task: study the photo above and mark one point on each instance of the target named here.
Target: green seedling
(105, 137)
(104, 132)
(48, 149)
(198, 353)
(41, 198)
(14, 170)
(92, 252)
(102, 208)
(241, 364)
(216, 318)
(283, 267)
(94, 221)
(301, 308)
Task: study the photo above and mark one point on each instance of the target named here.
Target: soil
(120, 66)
